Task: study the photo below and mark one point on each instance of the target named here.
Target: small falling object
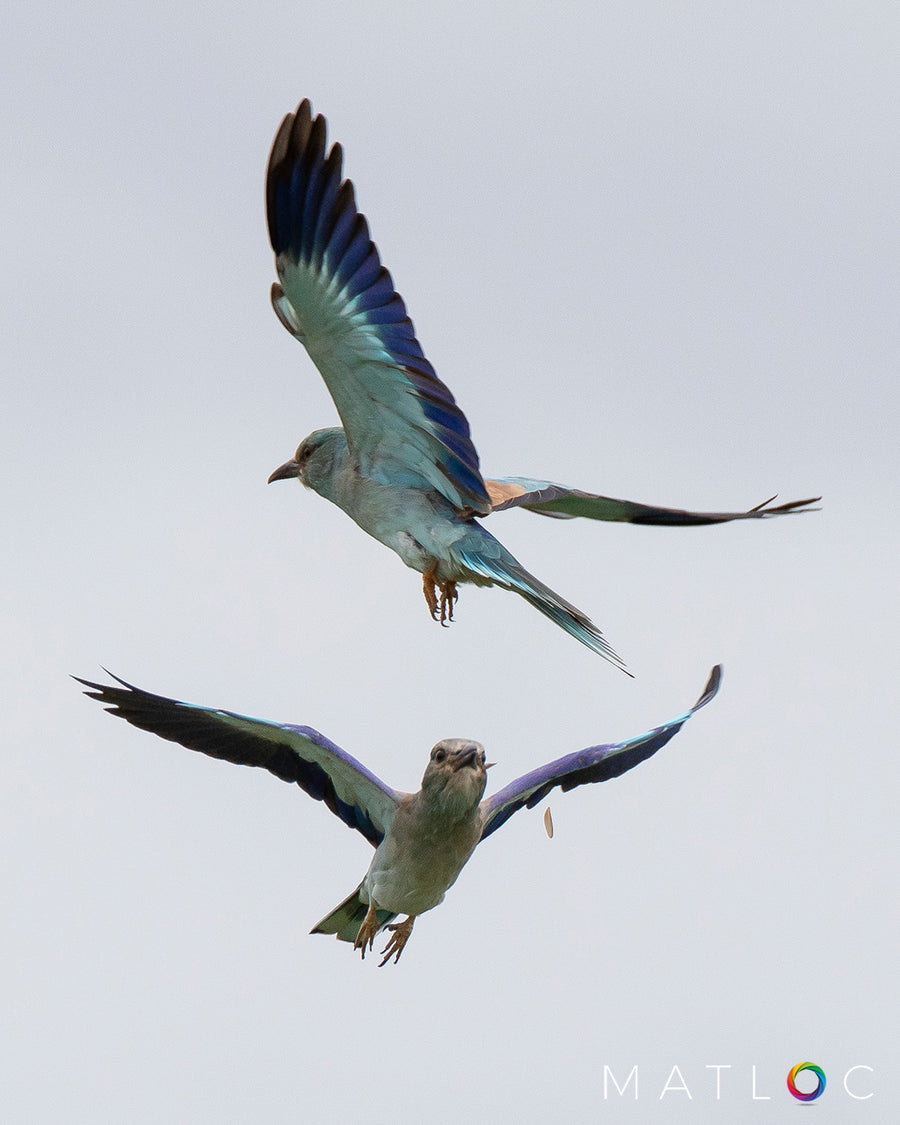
(548, 822)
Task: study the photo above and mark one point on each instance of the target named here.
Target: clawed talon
(365, 937)
(448, 597)
(400, 932)
(441, 609)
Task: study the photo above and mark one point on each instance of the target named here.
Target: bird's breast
(419, 860)
(418, 525)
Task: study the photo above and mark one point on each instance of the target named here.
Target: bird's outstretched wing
(335, 296)
(293, 753)
(597, 763)
(562, 503)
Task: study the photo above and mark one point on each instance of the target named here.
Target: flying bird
(422, 840)
(404, 466)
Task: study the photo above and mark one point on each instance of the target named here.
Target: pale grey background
(653, 249)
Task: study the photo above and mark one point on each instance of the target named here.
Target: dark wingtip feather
(290, 142)
(789, 507)
(712, 687)
(104, 692)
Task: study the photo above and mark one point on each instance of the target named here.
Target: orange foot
(441, 609)
(399, 937)
(365, 937)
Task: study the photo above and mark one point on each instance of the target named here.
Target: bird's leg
(448, 597)
(429, 578)
(365, 936)
(399, 937)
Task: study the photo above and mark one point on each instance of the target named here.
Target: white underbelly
(414, 882)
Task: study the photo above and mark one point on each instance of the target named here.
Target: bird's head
(315, 460)
(455, 776)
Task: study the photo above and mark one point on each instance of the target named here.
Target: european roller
(422, 840)
(403, 466)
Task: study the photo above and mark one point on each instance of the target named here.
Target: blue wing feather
(360, 249)
(402, 423)
(597, 763)
(292, 753)
(378, 295)
(337, 228)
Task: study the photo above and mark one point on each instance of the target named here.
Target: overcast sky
(653, 250)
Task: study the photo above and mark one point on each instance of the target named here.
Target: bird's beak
(288, 471)
(465, 759)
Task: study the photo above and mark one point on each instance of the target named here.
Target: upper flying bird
(403, 466)
(422, 840)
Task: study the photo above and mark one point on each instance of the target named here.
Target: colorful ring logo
(820, 1081)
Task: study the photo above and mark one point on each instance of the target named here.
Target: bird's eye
(440, 755)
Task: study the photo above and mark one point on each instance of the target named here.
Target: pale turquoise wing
(402, 423)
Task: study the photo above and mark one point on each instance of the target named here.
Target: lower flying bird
(422, 840)
(403, 466)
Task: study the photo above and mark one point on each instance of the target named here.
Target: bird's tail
(345, 920)
(490, 561)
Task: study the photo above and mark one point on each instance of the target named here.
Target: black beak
(288, 471)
